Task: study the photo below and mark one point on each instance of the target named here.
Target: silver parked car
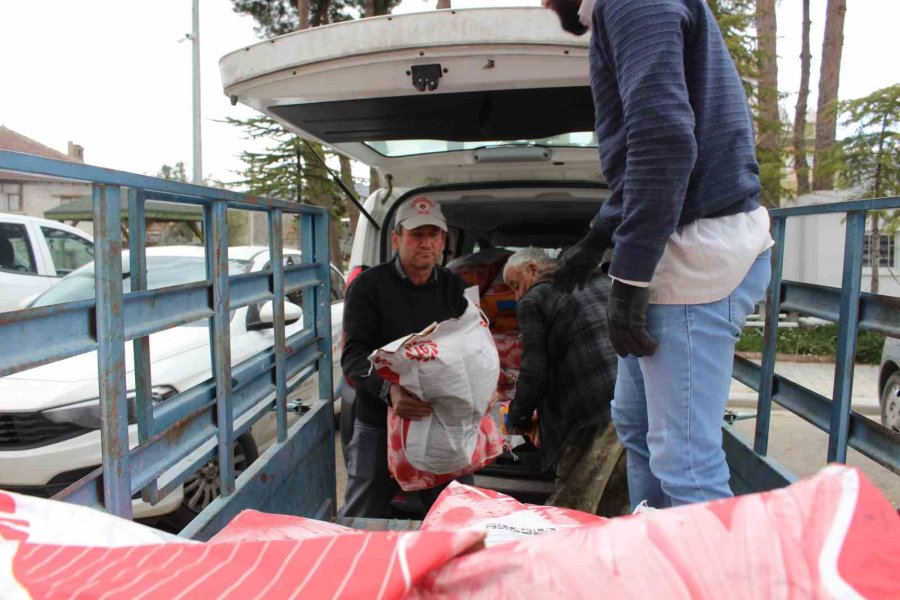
(889, 384)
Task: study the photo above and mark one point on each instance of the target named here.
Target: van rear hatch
(438, 97)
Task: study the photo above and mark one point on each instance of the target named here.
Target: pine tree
(869, 160)
(768, 123)
(290, 168)
(738, 23)
(829, 79)
(801, 167)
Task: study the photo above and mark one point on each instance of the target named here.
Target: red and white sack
(51, 549)
(505, 519)
(371, 564)
(255, 526)
(833, 535)
(452, 365)
(40, 521)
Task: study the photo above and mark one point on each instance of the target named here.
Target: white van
(487, 111)
(36, 253)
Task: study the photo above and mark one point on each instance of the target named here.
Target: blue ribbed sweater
(673, 123)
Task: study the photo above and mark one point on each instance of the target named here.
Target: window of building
(68, 250)
(886, 245)
(10, 197)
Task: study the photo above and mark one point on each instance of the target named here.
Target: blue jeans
(668, 407)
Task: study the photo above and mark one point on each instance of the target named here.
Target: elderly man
(568, 374)
(386, 302)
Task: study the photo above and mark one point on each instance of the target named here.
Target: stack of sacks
(833, 535)
(499, 303)
(50, 549)
(509, 348)
(480, 268)
(504, 519)
(485, 269)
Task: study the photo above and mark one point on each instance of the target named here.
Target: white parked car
(49, 415)
(889, 384)
(35, 254)
(487, 111)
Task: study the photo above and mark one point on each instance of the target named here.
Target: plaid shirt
(568, 363)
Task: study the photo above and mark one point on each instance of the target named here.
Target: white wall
(38, 197)
(814, 248)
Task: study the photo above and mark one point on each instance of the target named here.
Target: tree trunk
(769, 123)
(876, 216)
(829, 78)
(334, 244)
(374, 183)
(875, 252)
(347, 178)
(800, 166)
(302, 14)
(443, 4)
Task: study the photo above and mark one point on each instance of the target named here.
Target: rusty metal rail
(175, 437)
(853, 311)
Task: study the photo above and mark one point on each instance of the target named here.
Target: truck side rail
(198, 424)
(852, 310)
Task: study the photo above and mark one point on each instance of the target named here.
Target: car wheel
(890, 402)
(201, 488)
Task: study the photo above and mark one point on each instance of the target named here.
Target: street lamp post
(195, 46)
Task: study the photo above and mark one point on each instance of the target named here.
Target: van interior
(545, 215)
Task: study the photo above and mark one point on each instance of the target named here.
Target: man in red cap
(387, 302)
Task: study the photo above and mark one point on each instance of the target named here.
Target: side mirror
(26, 301)
(292, 313)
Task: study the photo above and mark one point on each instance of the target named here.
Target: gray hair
(528, 256)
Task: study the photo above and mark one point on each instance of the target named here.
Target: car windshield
(162, 271)
(580, 139)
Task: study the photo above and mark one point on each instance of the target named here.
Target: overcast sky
(112, 76)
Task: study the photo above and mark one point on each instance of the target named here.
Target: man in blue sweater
(690, 239)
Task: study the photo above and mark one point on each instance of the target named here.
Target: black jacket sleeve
(361, 327)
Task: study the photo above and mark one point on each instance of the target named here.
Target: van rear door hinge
(426, 76)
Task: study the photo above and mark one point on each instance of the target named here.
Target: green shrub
(818, 340)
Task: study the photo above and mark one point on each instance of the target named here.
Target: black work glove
(578, 263)
(627, 315)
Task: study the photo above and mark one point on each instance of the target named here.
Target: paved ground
(803, 448)
(819, 377)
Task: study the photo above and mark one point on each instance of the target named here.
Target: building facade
(814, 248)
(33, 195)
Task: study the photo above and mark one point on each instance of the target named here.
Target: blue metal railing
(852, 310)
(172, 433)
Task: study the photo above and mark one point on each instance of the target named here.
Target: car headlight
(87, 413)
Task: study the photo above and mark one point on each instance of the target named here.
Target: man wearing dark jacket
(690, 239)
(568, 374)
(384, 303)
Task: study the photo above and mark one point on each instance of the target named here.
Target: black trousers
(370, 487)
